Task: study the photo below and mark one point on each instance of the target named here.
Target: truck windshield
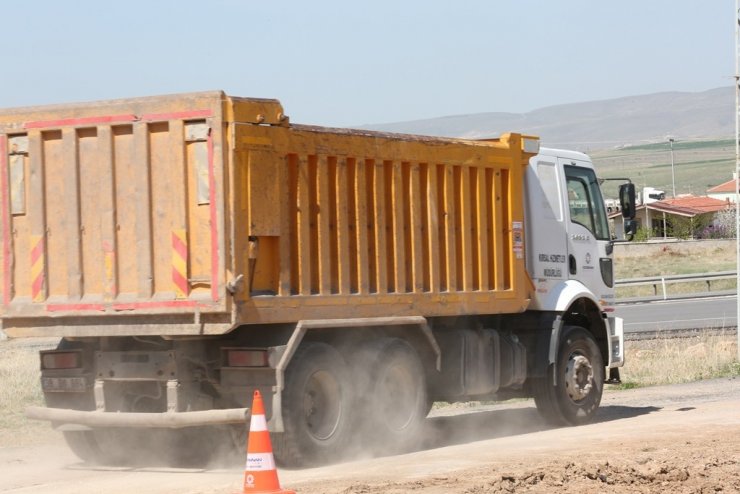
(585, 201)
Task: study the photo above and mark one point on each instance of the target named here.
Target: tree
(723, 225)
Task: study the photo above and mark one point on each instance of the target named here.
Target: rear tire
(105, 446)
(185, 448)
(392, 401)
(316, 406)
(84, 445)
(576, 396)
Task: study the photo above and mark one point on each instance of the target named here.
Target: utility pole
(673, 173)
(737, 169)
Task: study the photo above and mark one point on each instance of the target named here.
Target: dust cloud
(678, 438)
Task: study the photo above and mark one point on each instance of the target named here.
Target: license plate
(64, 384)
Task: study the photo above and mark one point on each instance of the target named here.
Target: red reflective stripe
(38, 251)
(123, 306)
(80, 121)
(179, 263)
(179, 245)
(156, 305)
(37, 266)
(38, 283)
(6, 218)
(108, 119)
(74, 307)
(178, 115)
(180, 281)
(214, 225)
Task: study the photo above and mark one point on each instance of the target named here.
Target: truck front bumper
(65, 419)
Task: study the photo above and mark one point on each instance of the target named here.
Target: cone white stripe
(257, 462)
(258, 423)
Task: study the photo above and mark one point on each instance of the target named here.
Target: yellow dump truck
(189, 249)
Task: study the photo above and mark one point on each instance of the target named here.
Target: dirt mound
(646, 475)
(652, 476)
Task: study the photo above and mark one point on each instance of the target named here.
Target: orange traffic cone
(260, 475)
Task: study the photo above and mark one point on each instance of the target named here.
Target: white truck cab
(569, 255)
(567, 229)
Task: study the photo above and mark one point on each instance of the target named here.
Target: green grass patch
(679, 145)
(628, 385)
(698, 165)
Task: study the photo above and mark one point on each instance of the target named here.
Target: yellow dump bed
(193, 214)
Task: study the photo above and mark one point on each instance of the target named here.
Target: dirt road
(681, 438)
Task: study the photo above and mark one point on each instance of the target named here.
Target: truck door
(589, 243)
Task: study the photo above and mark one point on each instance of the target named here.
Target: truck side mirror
(630, 229)
(627, 202)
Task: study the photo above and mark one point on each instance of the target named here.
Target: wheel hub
(579, 377)
(399, 397)
(321, 405)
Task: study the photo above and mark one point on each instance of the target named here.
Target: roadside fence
(661, 285)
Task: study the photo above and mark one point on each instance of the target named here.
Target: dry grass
(676, 258)
(675, 288)
(19, 373)
(675, 360)
(673, 259)
(678, 360)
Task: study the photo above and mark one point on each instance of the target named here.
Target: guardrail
(664, 281)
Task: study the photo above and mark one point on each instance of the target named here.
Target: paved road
(717, 312)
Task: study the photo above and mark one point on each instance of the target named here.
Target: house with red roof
(724, 192)
(662, 218)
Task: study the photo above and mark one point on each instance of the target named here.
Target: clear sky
(342, 62)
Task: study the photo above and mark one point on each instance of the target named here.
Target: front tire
(579, 382)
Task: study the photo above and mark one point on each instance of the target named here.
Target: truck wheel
(579, 381)
(316, 406)
(95, 449)
(182, 448)
(392, 394)
(83, 444)
(125, 447)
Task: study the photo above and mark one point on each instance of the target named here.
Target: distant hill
(593, 125)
